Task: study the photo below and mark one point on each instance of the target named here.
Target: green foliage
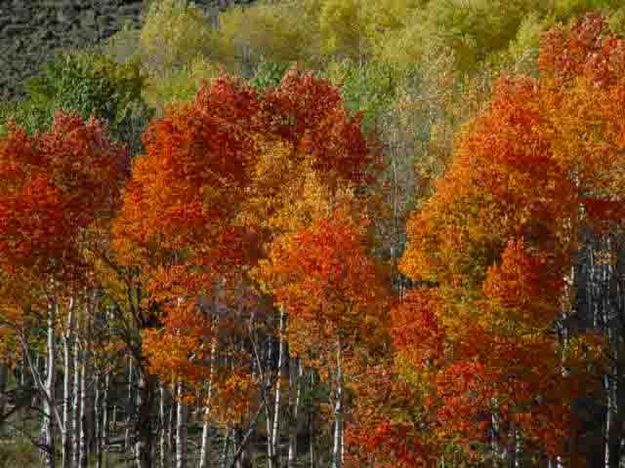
(472, 29)
(176, 48)
(369, 88)
(179, 84)
(89, 84)
(269, 74)
(174, 33)
(523, 49)
(567, 9)
(278, 33)
(342, 28)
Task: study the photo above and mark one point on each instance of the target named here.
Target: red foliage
(308, 113)
(388, 444)
(55, 184)
(322, 274)
(416, 331)
(499, 236)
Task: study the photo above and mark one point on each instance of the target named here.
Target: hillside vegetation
(318, 233)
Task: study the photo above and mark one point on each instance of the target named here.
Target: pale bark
(23, 372)
(114, 418)
(130, 408)
(163, 427)
(76, 417)
(608, 421)
(97, 406)
(337, 446)
(268, 416)
(275, 432)
(181, 428)
(82, 455)
(171, 422)
(224, 451)
(311, 432)
(294, 402)
(205, 448)
(67, 423)
(265, 377)
(105, 419)
(142, 428)
(49, 399)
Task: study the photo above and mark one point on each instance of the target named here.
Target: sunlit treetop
(55, 184)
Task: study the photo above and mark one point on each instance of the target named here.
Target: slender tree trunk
(77, 418)
(3, 385)
(105, 419)
(294, 401)
(114, 418)
(275, 432)
(268, 418)
(163, 428)
(97, 406)
(311, 428)
(171, 437)
(205, 448)
(49, 399)
(35, 400)
(23, 371)
(181, 428)
(67, 390)
(204, 451)
(130, 409)
(224, 452)
(337, 447)
(83, 448)
(143, 429)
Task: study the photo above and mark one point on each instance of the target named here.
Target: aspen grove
(212, 264)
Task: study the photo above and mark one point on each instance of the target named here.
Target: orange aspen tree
(499, 238)
(57, 184)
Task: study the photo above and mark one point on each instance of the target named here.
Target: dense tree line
(320, 232)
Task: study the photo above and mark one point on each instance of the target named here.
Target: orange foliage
(54, 185)
(322, 275)
(223, 177)
(499, 236)
(416, 331)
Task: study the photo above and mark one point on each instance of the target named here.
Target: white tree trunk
(163, 428)
(294, 402)
(171, 432)
(275, 431)
(97, 407)
(67, 395)
(105, 419)
(142, 430)
(224, 450)
(268, 418)
(130, 408)
(337, 446)
(49, 397)
(311, 435)
(76, 417)
(82, 457)
(204, 451)
(181, 428)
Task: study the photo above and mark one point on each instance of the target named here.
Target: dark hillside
(30, 31)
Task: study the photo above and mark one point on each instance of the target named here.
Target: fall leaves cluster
(251, 211)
